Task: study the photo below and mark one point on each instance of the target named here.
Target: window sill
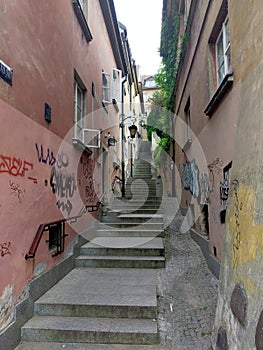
(225, 85)
(77, 143)
(82, 20)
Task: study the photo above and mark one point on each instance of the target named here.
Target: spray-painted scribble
(191, 178)
(17, 191)
(214, 168)
(62, 160)
(204, 188)
(224, 191)
(88, 168)
(65, 206)
(238, 206)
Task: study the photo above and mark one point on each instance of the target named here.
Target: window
(79, 107)
(81, 10)
(223, 60)
(111, 86)
(106, 87)
(116, 85)
(187, 113)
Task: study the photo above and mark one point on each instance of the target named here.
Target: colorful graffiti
(191, 178)
(15, 167)
(17, 191)
(5, 249)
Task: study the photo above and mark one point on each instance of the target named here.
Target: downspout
(122, 138)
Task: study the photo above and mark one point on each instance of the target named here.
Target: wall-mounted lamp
(133, 130)
(142, 124)
(111, 139)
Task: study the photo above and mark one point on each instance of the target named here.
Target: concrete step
(134, 225)
(138, 262)
(138, 203)
(90, 330)
(133, 218)
(148, 210)
(128, 246)
(82, 346)
(130, 233)
(102, 293)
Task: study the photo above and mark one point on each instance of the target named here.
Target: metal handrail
(45, 227)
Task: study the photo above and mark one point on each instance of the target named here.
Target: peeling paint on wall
(39, 269)
(247, 239)
(6, 307)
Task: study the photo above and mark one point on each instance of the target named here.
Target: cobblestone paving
(187, 295)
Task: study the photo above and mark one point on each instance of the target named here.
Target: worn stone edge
(10, 337)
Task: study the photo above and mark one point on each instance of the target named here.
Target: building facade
(239, 319)
(61, 70)
(204, 125)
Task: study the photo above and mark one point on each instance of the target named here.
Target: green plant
(163, 101)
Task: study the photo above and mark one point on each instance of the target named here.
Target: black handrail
(60, 240)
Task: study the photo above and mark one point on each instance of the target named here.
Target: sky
(142, 18)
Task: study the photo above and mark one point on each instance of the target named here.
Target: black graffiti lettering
(48, 158)
(65, 206)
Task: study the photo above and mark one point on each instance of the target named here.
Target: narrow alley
(131, 175)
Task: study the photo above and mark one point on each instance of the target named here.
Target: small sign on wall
(6, 73)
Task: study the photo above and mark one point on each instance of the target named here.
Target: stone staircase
(109, 300)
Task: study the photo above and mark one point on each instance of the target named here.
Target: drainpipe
(122, 138)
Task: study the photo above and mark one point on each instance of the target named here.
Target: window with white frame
(111, 86)
(223, 59)
(116, 85)
(106, 83)
(79, 107)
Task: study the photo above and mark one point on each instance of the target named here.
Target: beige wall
(242, 262)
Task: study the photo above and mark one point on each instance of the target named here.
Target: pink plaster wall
(43, 43)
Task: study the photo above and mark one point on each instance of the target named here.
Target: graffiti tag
(5, 249)
(15, 167)
(17, 191)
(65, 206)
(46, 157)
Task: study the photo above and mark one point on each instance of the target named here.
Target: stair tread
(79, 346)
(115, 325)
(120, 257)
(143, 215)
(97, 286)
(125, 242)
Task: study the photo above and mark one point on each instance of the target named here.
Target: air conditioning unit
(91, 138)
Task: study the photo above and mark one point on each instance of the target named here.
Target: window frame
(106, 89)
(116, 85)
(224, 62)
(79, 123)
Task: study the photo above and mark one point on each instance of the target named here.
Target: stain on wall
(6, 307)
